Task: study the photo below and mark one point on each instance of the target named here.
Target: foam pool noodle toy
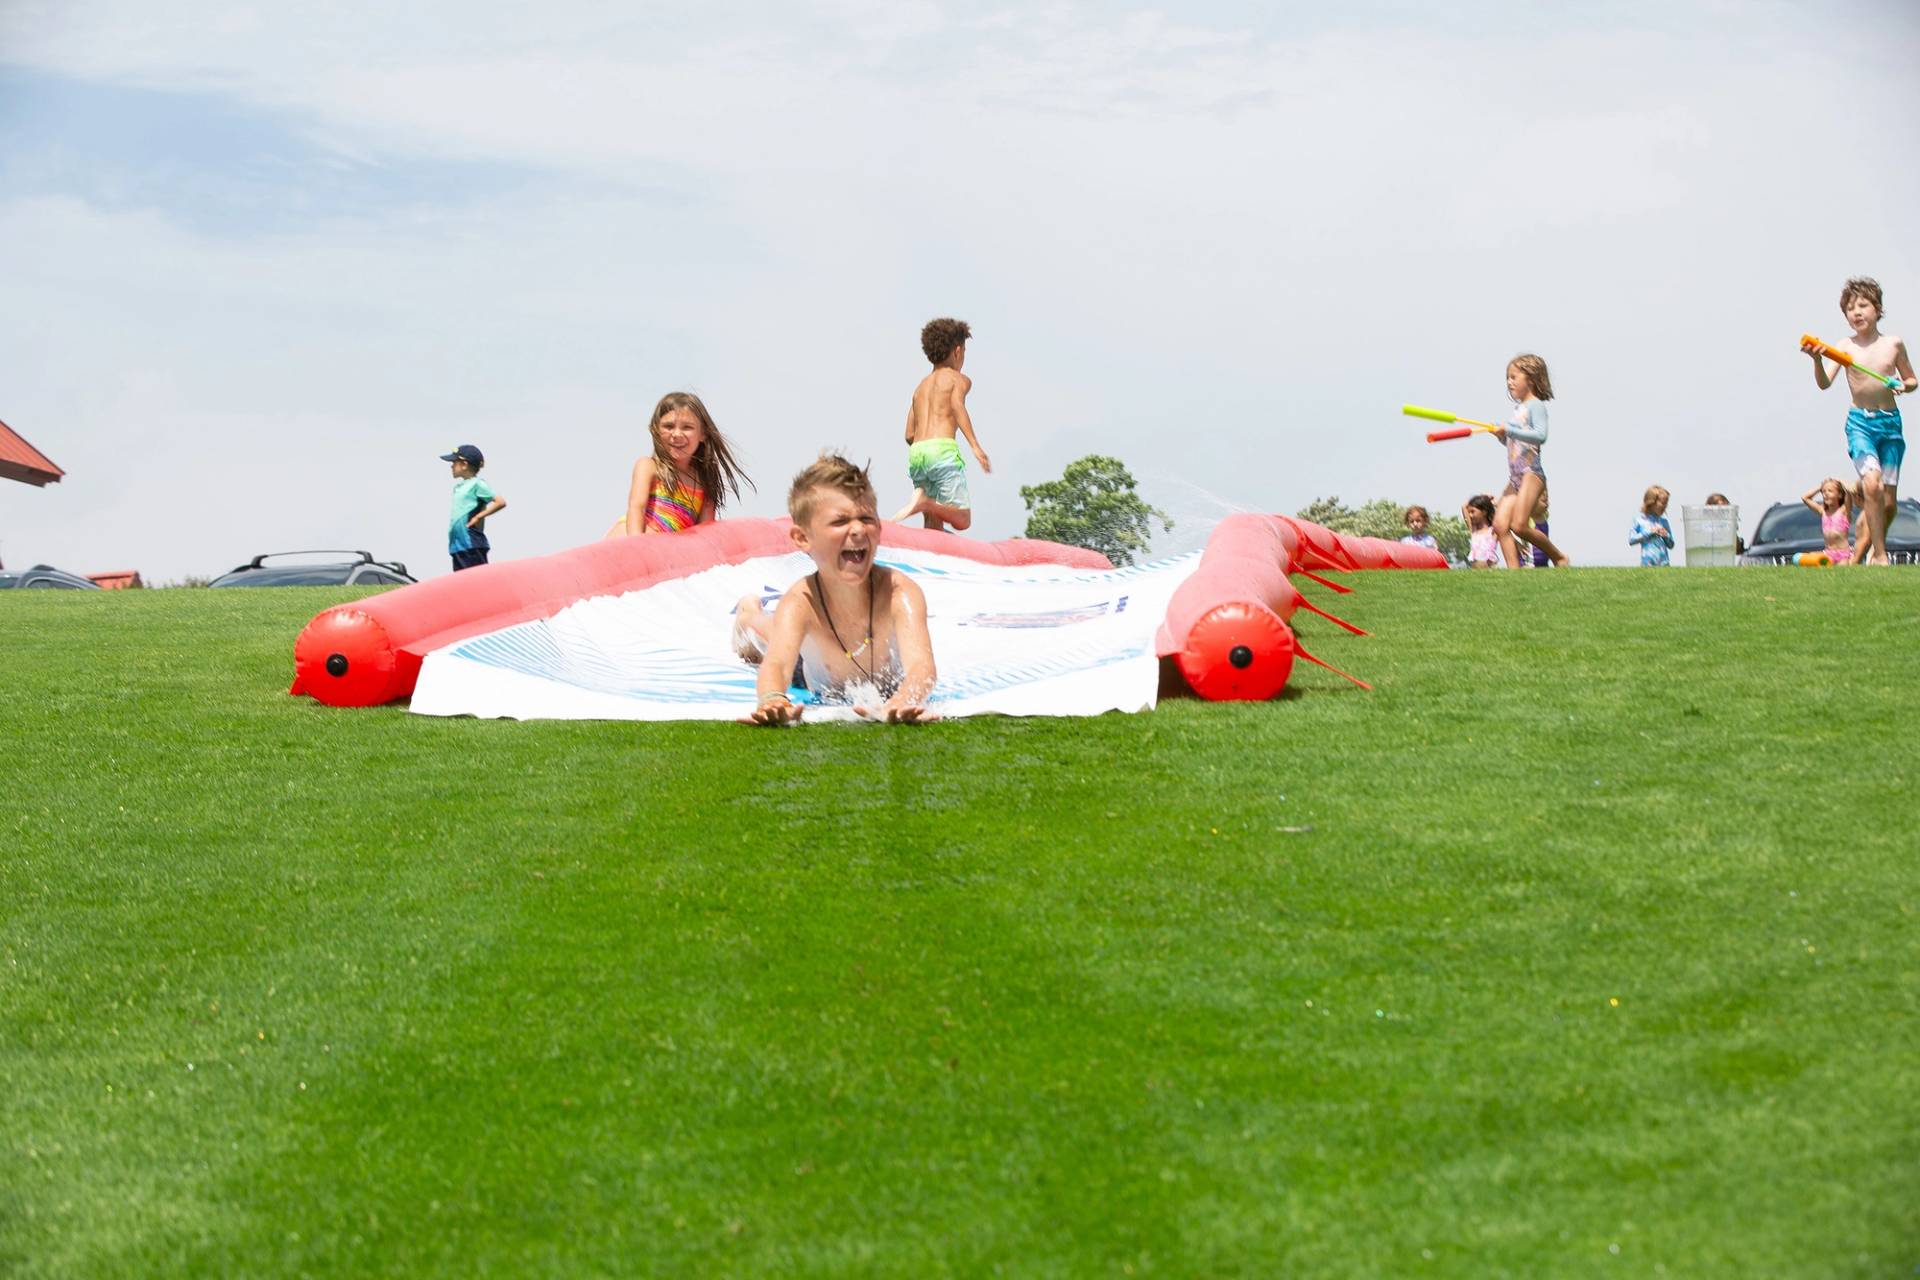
(1813, 560)
(1441, 415)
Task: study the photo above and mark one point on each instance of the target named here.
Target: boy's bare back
(938, 402)
(938, 414)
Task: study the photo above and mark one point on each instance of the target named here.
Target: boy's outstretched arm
(908, 705)
(961, 385)
(770, 702)
(1819, 364)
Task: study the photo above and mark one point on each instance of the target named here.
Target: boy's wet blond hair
(833, 472)
(1536, 370)
(1653, 494)
(1863, 287)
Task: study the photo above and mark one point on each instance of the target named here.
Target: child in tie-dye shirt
(1651, 532)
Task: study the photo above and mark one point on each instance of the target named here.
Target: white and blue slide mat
(1033, 640)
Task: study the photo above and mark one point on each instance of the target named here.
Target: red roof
(21, 461)
(119, 580)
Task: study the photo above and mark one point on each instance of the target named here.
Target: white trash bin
(1710, 535)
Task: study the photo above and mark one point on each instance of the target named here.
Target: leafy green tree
(1452, 535)
(1384, 518)
(1093, 505)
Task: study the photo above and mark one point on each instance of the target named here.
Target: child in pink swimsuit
(1835, 526)
(1483, 549)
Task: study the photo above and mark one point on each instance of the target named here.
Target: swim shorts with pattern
(937, 470)
(1874, 442)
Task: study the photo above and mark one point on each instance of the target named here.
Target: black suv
(364, 571)
(1790, 528)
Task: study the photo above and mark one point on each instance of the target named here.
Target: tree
(1385, 518)
(1093, 505)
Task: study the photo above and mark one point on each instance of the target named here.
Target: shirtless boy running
(1874, 441)
(937, 414)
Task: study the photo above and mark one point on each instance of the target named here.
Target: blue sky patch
(212, 163)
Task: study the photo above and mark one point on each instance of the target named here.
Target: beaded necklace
(853, 655)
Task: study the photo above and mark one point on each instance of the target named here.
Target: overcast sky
(262, 263)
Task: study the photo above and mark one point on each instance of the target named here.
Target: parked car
(362, 571)
(45, 575)
(1790, 528)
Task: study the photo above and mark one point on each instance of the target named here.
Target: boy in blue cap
(473, 501)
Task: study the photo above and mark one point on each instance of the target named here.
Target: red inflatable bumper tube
(1226, 626)
(361, 655)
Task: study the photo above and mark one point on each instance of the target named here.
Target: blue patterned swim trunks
(1874, 442)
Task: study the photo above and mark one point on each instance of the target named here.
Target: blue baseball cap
(467, 453)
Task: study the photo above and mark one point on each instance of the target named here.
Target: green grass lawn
(1586, 944)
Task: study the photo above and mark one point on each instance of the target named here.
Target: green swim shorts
(937, 470)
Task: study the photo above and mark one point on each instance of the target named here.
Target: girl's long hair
(714, 469)
(1653, 494)
(1536, 370)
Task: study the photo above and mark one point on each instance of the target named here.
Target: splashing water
(862, 693)
(844, 702)
(1195, 510)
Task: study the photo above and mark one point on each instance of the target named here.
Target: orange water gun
(1810, 343)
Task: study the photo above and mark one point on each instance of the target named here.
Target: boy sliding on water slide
(1874, 441)
(859, 632)
(937, 413)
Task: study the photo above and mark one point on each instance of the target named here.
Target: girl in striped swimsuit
(688, 475)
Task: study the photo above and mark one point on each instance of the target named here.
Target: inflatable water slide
(639, 628)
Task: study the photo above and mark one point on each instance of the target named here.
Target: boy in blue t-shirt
(473, 501)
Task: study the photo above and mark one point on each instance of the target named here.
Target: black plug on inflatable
(345, 659)
(1241, 657)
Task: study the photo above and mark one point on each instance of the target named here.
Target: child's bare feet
(914, 508)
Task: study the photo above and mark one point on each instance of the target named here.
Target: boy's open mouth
(853, 557)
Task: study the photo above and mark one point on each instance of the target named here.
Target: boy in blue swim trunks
(1874, 440)
(937, 414)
